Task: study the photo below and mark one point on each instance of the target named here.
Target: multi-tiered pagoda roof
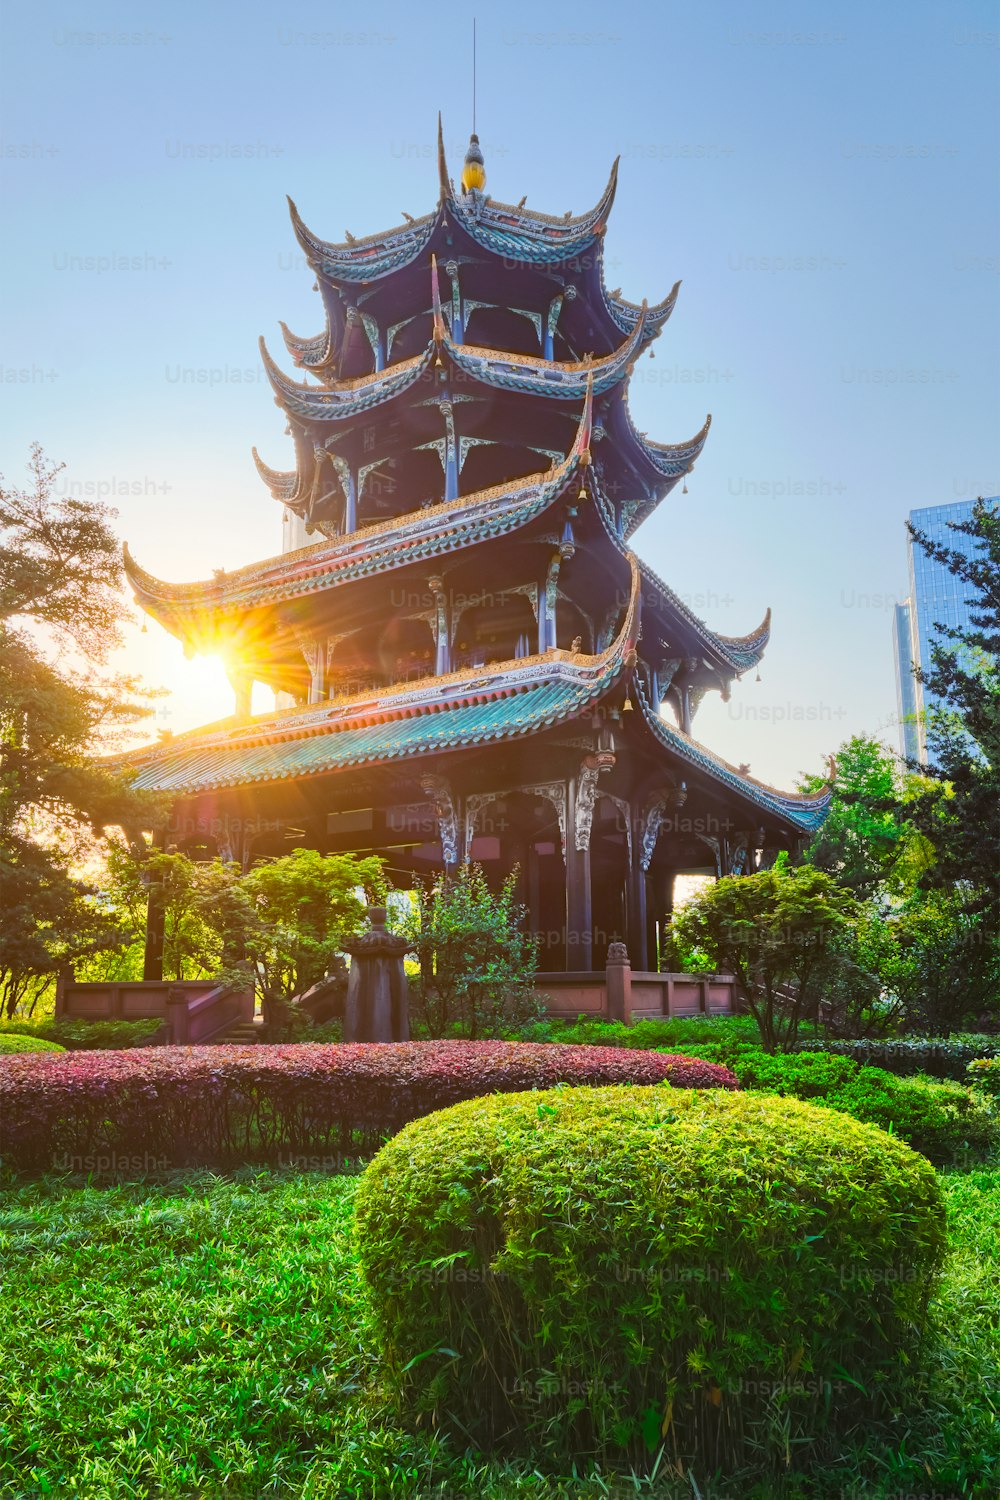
(467, 464)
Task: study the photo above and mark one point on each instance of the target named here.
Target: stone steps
(240, 1034)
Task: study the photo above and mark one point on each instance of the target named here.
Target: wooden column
(242, 686)
(457, 329)
(442, 627)
(450, 452)
(549, 329)
(315, 654)
(661, 908)
(579, 907)
(152, 961)
(652, 927)
(635, 907)
(534, 890)
(547, 597)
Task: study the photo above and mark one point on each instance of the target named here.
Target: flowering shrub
(304, 1104)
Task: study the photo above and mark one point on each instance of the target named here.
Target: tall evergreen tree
(959, 808)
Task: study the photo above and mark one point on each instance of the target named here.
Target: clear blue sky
(822, 177)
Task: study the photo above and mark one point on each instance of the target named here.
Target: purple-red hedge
(157, 1108)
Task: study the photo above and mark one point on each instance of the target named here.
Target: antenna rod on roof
(473, 75)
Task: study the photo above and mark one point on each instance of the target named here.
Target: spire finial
(474, 167)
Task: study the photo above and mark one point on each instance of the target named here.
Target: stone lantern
(377, 1007)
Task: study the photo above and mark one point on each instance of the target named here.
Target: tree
(477, 963)
(938, 965)
(959, 809)
(781, 932)
(60, 565)
(60, 611)
(288, 918)
(49, 921)
(191, 897)
(918, 959)
(867, 839)
(919, 964)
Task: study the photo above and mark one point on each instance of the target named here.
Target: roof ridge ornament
(439, 332)
(444, 182)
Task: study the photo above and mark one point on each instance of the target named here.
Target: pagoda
(475, 664)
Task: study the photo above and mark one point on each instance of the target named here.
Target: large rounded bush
(14, 1043)
(597, 1272)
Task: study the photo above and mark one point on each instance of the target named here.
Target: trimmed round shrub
(13, 1043)
(311, 1106)
(597, 1273)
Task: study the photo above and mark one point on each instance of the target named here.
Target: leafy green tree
(288, 918)
(781, 932)
(49, 921)
(920, 959)
(190, 895)
(477, 963)
(920, 964)
(867, 840)
(283, 922)
(939, 971)
(60, 610)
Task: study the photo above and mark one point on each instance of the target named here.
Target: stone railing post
(376, 1008)
(177, 1017)
(618, 983)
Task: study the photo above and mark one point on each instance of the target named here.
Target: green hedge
(940, 1056)
(15, 1042)
(945, 1121)
(86, 1036)
(599, 1272)
(676, 1032)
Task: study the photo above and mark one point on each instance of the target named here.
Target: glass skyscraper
(906, 684)
(937, 597)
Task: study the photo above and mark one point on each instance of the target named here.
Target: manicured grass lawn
(206, 1337)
